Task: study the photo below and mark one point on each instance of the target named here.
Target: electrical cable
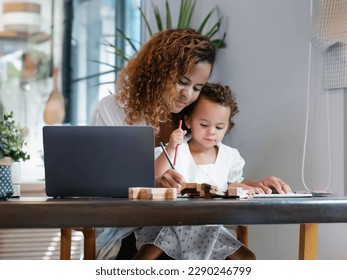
(307, 118)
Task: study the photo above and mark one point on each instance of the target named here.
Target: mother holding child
(165, 76)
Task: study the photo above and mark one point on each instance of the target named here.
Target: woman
(165, 76)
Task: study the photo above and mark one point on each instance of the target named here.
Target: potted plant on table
(11, 150)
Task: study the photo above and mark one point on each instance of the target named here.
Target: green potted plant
(11, 150)
(187, 8)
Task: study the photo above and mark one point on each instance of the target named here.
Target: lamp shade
(22, 16)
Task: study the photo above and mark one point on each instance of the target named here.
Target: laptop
(97, 161)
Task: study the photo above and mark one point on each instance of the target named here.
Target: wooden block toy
(201, 190)
(214, 190)
(238, 192)
(152, 193)
(191, 189)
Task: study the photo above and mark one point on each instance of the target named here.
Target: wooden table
(41, 212)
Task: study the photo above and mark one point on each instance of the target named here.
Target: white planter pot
(16, 178)
(6, 188)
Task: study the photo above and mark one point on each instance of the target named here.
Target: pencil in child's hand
(176, 148)
(167, 156)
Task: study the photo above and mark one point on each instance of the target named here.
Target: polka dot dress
(198, 242)
(6, 189)
(190, 242)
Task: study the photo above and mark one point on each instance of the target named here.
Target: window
(82, 30)
(26, 55)
(91, 27)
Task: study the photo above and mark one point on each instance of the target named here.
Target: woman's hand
(170, 179)
(269, 185)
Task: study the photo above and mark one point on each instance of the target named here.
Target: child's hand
(176, 138)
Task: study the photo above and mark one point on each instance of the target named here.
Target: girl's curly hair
(220, 94)
(146, 84)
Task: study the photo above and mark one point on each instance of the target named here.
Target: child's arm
(161, 163)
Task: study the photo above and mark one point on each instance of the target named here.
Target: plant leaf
(202, 25)
(190, 12)
(158, 18)
(180, 15)
(186, 13)
(11, 139)
(214, 29)
(183, 14)
(101, 62)
(118, 51)
(129, 40)
(146, 22)
(219, 43)
(168, 15)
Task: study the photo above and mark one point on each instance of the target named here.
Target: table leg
(242, 234)
(308, 241)
(65, 243)
(89, 243)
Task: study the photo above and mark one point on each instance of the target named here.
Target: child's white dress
(198, 242)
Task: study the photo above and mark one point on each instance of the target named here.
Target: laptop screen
(102, 161)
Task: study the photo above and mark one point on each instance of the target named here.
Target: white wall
(266, 63)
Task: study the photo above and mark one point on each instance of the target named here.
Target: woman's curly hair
(220, 94)
(147, 83)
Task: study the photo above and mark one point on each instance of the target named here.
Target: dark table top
(43, 212)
